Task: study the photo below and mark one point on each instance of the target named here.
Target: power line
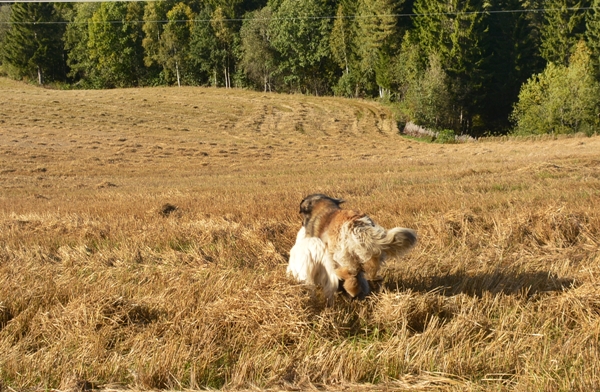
(411, 15)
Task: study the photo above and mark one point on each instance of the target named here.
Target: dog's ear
(308, 203)
(337, 201)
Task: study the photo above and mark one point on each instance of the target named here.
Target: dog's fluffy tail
(372, 240)
(398, 241)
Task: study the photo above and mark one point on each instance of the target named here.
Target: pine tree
(33, 46)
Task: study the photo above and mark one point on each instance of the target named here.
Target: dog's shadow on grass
(521, 283)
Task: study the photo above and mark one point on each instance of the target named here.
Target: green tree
(375, 28)
(562, 28)
(341, 38)
(225, 35)
(455, 30)
(114, 53)
(173, 51)
(33, 47)
(561, 99)
(215, 43)
(77, 39)
(426, 100)
(5, 11)
(511, 47)
(342, 41)
(300, 36)
(155, 14)
(257, 57)
(592, 35)
(204, 50)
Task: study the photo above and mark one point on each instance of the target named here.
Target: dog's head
(308, 205)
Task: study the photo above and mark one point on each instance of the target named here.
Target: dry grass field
(144, 236)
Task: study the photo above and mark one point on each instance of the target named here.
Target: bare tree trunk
(227, 77)
(177, 70)
(40, 77)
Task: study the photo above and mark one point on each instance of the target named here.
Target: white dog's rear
(309, 264)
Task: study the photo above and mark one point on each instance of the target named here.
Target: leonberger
(336, 244)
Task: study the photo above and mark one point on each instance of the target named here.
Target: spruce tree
(511, 47)
(33, 46)
(376, 26)
(455, 32)
(592, 35)
(341, 38)
(5, 11)
(563, 27)
(342, 42)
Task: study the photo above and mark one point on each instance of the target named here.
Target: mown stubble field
(103, 286)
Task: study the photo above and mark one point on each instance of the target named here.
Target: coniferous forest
(468, 67)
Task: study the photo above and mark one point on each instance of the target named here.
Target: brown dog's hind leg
(351, 283)
(371, 268)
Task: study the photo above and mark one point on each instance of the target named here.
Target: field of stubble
(144, 235)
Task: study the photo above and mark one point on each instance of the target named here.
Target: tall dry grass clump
(173, 277)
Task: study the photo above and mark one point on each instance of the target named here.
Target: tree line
(472, 67)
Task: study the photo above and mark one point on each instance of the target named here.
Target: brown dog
(351, 247)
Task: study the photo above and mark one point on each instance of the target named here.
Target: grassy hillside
(102, 284)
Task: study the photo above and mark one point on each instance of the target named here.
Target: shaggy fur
(342, 244)
(309, 265)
